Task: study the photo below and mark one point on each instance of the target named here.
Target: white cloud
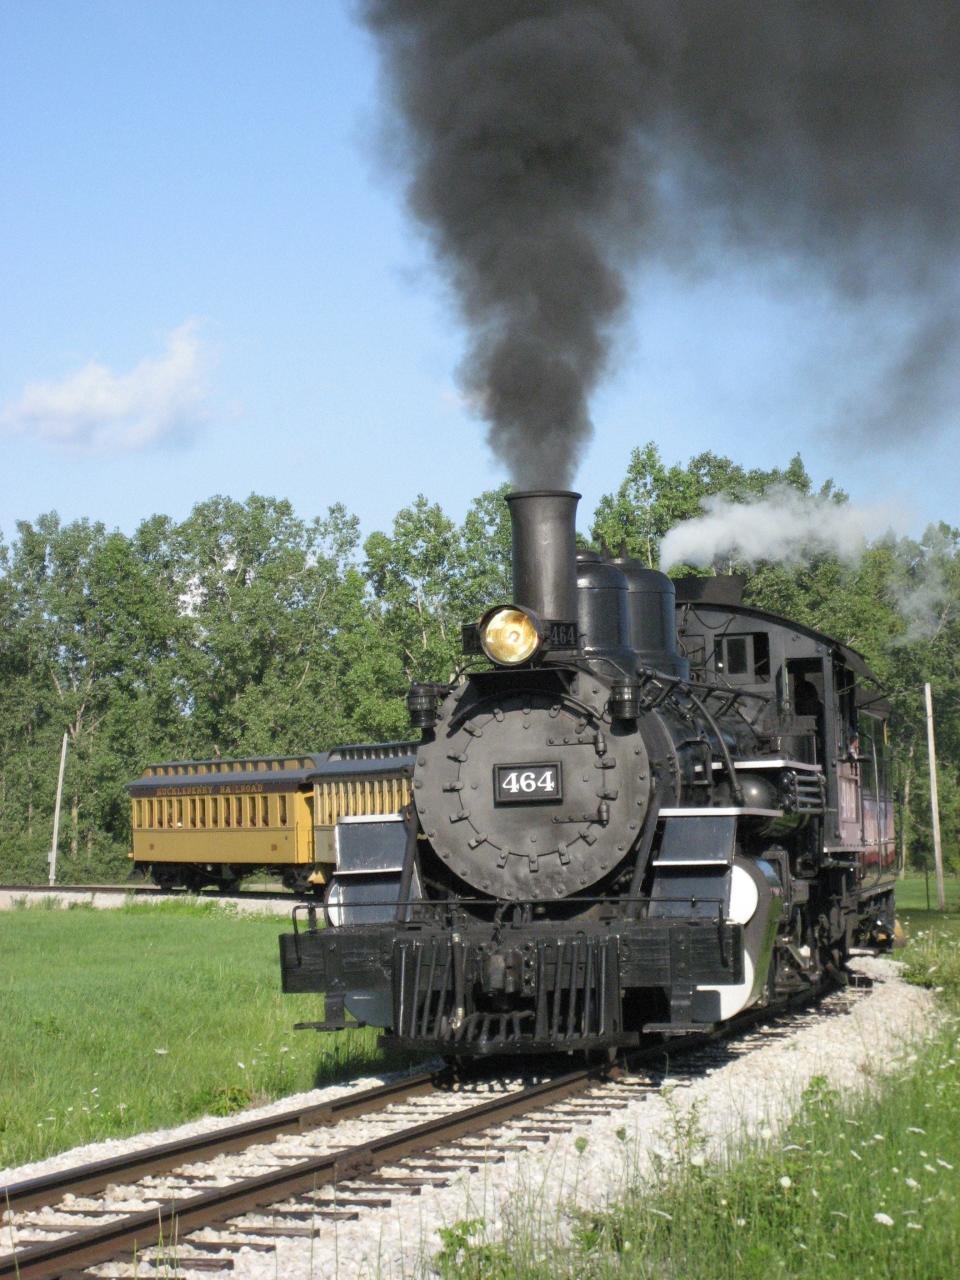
(96, 410)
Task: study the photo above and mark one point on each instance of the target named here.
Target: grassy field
(118, 1021)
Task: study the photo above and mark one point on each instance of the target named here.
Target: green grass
(112, 1022)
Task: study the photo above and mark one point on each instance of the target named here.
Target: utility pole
(934, 802)
(52, 857)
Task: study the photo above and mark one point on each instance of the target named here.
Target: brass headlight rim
(530, 618)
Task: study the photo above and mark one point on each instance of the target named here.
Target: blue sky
(209, 284)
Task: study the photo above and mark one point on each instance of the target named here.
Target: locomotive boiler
(631, 815)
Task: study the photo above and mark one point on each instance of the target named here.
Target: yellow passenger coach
(200, 822)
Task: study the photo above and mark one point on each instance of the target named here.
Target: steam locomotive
(645, 812)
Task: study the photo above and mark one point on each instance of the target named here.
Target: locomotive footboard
(478, 990)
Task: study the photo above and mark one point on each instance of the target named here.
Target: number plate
(526, 783)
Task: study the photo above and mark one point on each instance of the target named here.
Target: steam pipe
(544, 525)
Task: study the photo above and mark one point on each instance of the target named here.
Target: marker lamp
(510, 635)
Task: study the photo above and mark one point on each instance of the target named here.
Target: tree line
(248, 630)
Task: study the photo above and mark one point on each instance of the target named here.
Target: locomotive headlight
(509, 635)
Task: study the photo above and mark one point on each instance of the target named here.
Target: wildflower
(884, 1219)
(878, 1137)
(698, 1160)
(930, 1168)
(913, 1129)
(786, 1182)
(241, 1066)
(914, 1226)
(284, 1048)
(944, 1164)
(855, 1156)
(766, 1134)
(161, 1052)
(741, 1222)
(912, 1183)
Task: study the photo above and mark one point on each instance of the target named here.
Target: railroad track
(139, 890)
(288, 1174)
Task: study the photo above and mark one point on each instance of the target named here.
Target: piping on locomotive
(200, 822)
(640, 816)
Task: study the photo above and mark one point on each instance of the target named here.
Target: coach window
(252, 811)
(193, 812)
(214, 811)
(283, 811)
(227, 815)
(264, 811)
(202, 811)
(170, 822)
(238, 811)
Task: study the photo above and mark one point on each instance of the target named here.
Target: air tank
(652, 611)
(603, 616)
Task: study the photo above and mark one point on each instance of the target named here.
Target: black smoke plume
(555, 142)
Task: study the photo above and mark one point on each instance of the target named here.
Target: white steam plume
(784, 525)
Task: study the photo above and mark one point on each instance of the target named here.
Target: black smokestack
(544, 531)
(553, 141)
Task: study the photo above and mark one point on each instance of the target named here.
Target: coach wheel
(297, 881)
(166, 877)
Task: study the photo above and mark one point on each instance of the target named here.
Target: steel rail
(132, 1165)
(173, 1221)
(155, 891)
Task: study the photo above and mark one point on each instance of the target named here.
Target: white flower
(914, 1226)
(913, 1129)
(855, 1156)
(944, 1164)
(741, 1222)
(912, 1183)
(785, 1182)
(241, 1066)
(698, 1160)
(766, 1134)
(930, 1168)
(284, 1048)
(884, 1219)
(161, 1052)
